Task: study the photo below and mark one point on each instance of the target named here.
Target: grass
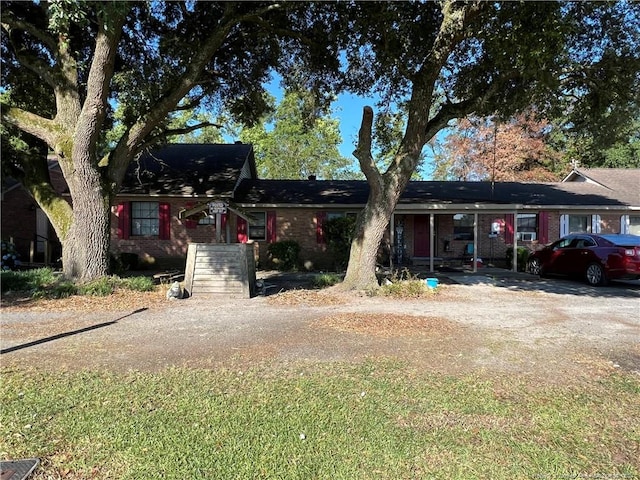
(44, 283)
(335, 421)
(323, 280)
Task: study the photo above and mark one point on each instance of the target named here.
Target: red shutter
(190, 222)
(124, 220)
(543, 228)
(508, 228)
(271, 226)
(321, 217)
(241, 228)
(165, 221)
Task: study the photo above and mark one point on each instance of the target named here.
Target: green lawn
(318, 421)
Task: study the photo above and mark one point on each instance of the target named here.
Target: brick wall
(300, 225)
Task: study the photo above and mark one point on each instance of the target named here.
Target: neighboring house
(25, 225)
(167, 198)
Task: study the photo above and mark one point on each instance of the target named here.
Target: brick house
(25, 225)
(170, 197)
(165, 205)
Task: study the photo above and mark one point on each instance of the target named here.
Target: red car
(597, 258)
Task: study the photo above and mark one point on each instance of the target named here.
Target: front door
(421, 236)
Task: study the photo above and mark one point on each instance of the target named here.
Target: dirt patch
(481, 329)
(388, 325)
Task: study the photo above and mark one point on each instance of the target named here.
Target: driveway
(490, 323)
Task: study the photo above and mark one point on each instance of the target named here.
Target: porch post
(392, 242)
(432, 242)
(218, 227)
(475, 242)
(515, 241)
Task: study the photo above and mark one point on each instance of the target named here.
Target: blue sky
(348, 109)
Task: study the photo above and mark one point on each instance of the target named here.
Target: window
(208, 220)
(579, 223)
(634, 225)
(258, 228)
(527, 226)
(462, 227)
(145, 218)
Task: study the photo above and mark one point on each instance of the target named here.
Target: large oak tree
(447, 60)
(73, 71)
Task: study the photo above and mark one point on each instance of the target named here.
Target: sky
(348, 109)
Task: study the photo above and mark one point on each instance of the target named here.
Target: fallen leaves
(310, 298)
(388, 325)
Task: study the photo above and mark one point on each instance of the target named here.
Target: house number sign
(217, 207)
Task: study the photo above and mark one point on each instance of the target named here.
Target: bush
(323, 280)
(27, 280)
(523, 256)
(339, 233)
(44, 283)
(405, 285)
(138, 284)
(284, 255)
(10, 258)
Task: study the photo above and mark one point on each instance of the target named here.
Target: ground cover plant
(377, 419)
(45, 283)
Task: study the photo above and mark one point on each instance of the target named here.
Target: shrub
(44, 283)
(284, 255)
(138, 284)
(339, 233)
(27, 280)
(10, 258)
(523, 256)
(323, 280)
(405, 285)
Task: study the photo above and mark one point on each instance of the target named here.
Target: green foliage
(45, 283)
(10, 257)
(404, 284)
(299, 139)
(523, 256)
(285, 254)
(323, 280)
(26, 280)
(339, 232)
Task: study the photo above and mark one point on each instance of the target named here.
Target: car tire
(534, 267)
(595, 275)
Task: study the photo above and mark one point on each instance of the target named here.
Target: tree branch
(40, 127)
(363, 149)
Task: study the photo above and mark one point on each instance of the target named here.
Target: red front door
(421, 236)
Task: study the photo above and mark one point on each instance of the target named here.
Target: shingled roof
(228, 171)
(431, 193)
(207, 170)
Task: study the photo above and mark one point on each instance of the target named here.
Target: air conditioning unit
(527, 236)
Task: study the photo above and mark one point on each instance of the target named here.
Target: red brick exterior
(301, 225)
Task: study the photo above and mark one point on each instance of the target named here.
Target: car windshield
(623, 240)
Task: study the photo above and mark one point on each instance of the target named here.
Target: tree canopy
(75, 70)
(298, 139)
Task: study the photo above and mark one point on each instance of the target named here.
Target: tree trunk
(85, 249)
(384, 193)
(370, 228)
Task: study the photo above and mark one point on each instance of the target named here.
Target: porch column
(432, 242)
(515, 241)
(475, 242)
(392, 240)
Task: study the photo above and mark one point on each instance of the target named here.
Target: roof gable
(211, 170)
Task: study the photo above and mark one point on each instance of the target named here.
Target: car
(596, 258)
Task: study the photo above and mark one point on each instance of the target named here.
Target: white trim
(625, 224)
